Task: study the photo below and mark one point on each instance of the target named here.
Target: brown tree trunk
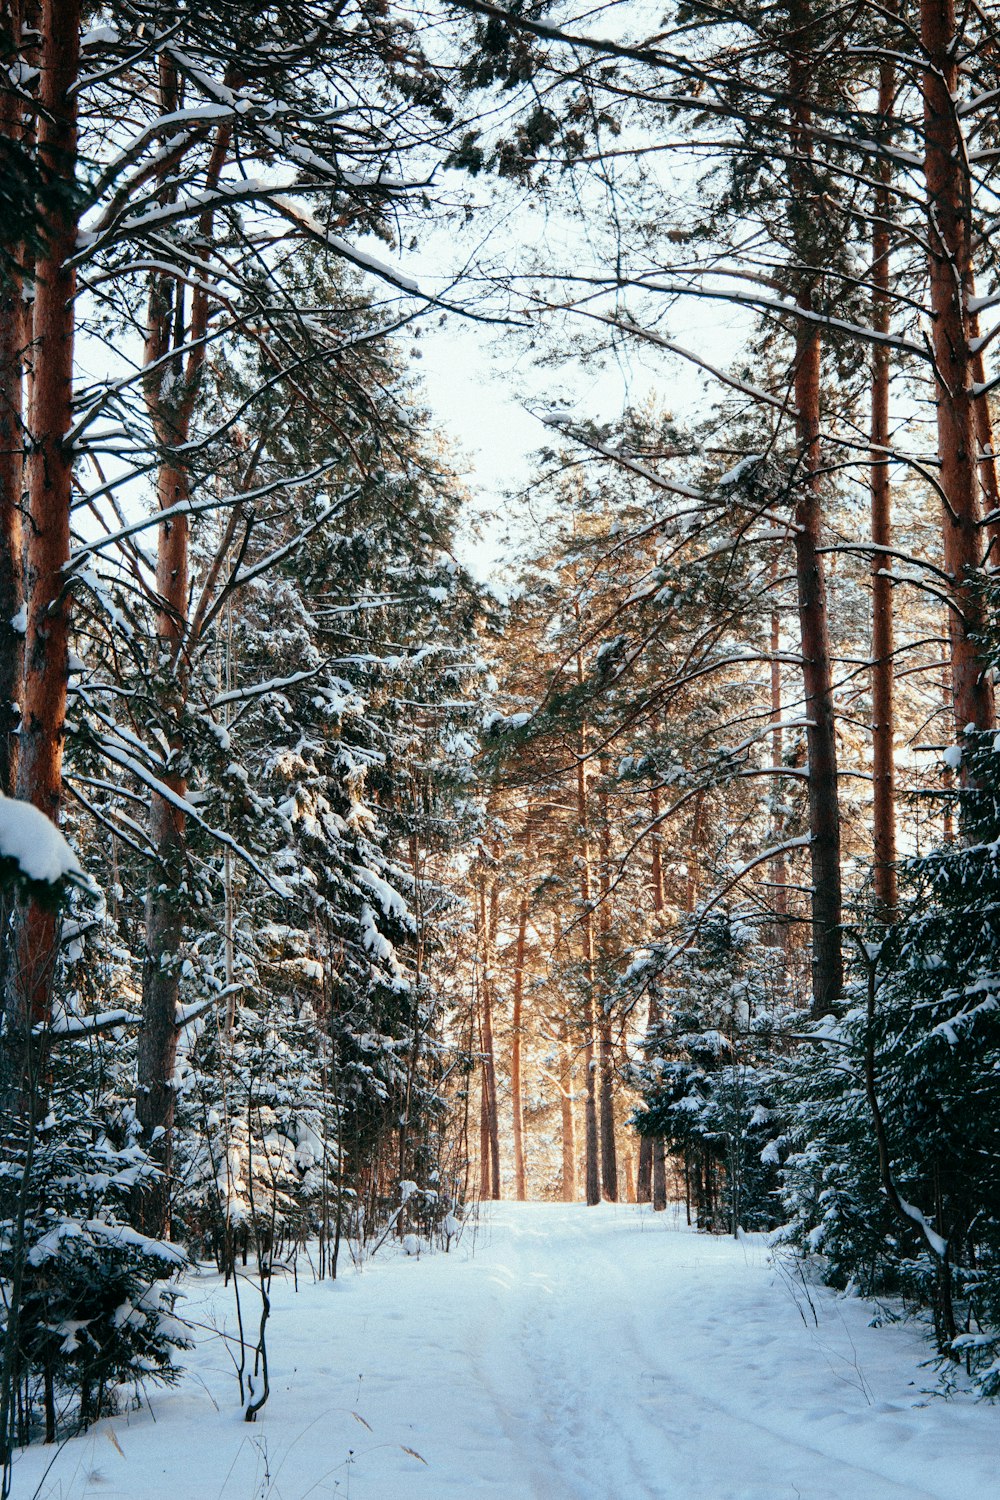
(15, 333)
(779, 868)
(485, 1180)
(593, 1168)
(630, 1192)
(568, 1119)
(488, 929)
(516, 1082)
(650, 1184)
(171, 406)
(589, 1061)
(814, 625)
(14, 338)
(592, 1146)
(49, 477)
(159, 1032)
(883, 707)
(609, 1155)
(949, 265)
(659, 1174)
(986, 456)
(644, 1170)
(824, 804)
(485, 1134)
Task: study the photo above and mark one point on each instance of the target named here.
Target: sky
(488, 397)
(488, 389)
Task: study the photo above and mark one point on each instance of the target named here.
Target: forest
(399, 815)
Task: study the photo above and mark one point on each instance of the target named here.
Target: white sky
(481, 387)
(481, 382)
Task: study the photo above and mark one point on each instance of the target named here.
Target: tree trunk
(814, 625)
(779, 868)
(158, 1034)
(14, 339)
(659, 1174)
(651, 1177)
(592, 1142)
(171, 403)
(485, 1181)
(644, 1170)
(609, 1155)
(516, 1083)
(630, 1193)
(490, 1072)
(592, 1147)
(568, 1119)
(824, 804)
(883, 707)
(15, 334)
(949, 265)
(49, 476)
(491, 1181)
(593, 1170)
(986, 454)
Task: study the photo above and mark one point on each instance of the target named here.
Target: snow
(105, 1020)
(952, 757)
(557, 1352)
(34, 843)
(937, 1244)
(389, 899)
(734, 475)
(99, 36)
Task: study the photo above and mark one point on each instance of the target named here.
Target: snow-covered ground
(563, 1353)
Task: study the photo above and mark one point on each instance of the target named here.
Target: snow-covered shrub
(919, 1054)
(88, 1306)
(256, 1154)
(706, 1074)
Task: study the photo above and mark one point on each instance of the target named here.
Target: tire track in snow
(559, 1353)
(617, 1410)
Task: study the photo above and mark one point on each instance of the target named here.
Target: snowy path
(560, 1353)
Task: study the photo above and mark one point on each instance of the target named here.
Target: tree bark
(490, 1179)
(516, 1082)
(592, 1145)
(644, 1170)
(171, 391)
(14, 338)
(779, 868)
(650, 1184)
(49, 477)
(485, 1181)
(883, 706)
(814, 625)
(15, 334)
(568, 1119)
(950, 272)
(986, 456)
(817, 677)
(609, 1154)
(593, 1168)
(159, 1032)
(592, 1142)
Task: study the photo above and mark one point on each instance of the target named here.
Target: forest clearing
(553, 1354)
(499, 752)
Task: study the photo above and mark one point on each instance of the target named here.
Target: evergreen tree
(706, 1069)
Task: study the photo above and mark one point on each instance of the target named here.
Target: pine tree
(706, 1070)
